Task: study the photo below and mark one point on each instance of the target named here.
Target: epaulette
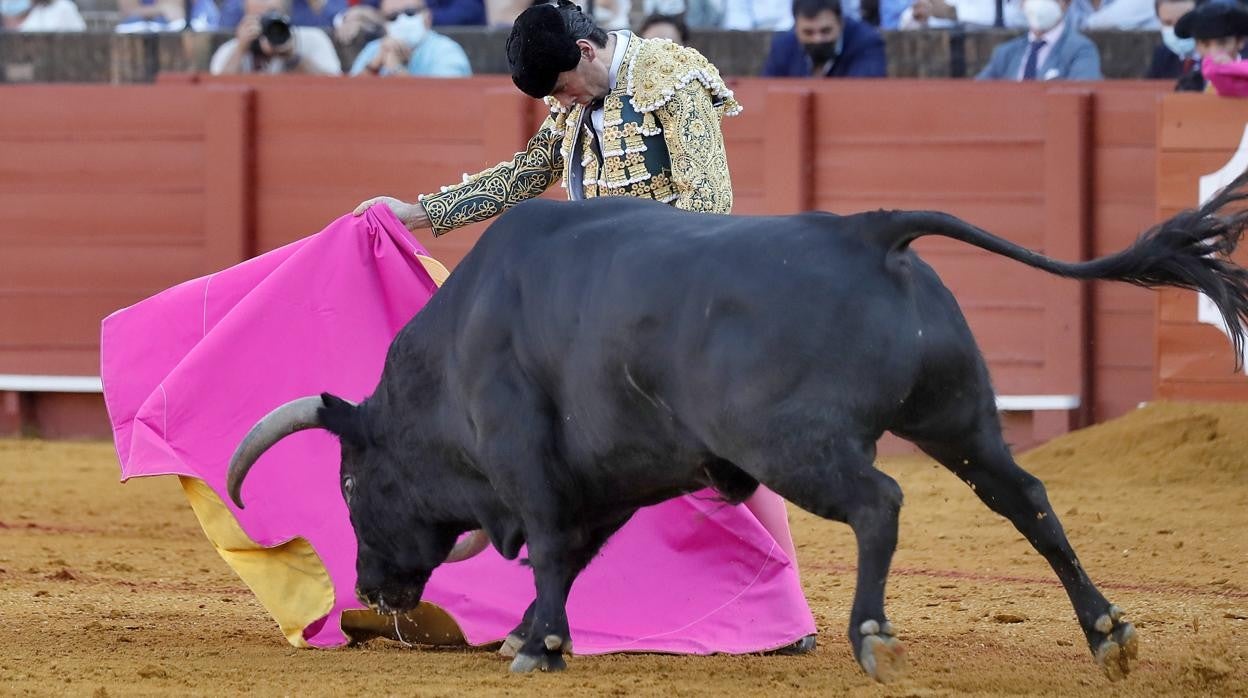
(662, 67)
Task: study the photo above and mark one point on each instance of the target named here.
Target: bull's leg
(557, 558)
(984, 462)
(515, 638)
(844, 485)
(553, 573)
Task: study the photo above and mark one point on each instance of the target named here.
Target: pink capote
(1228, 79)
(187, 372)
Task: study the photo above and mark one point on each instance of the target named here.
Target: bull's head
(397, 548)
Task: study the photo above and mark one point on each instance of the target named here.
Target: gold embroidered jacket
(661, 139)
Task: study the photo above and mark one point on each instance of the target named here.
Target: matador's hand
(411, 215)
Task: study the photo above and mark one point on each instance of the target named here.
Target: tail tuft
(1192, 250)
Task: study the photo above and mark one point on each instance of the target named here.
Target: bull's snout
(389, 601)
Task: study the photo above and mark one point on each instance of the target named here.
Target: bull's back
(641, 303)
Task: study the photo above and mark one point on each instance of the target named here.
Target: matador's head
(556, 50)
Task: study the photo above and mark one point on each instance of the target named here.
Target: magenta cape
(187, 372)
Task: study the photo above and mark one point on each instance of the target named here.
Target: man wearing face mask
(1220, 30)
(410, 47)
(826, 44)
(1052, 48)
(256, 47)
(1175, 56)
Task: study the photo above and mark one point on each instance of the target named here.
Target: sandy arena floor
(112, 590)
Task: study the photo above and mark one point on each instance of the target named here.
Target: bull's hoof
(511, 646)
(1120, 646)
(524, 663)
(882, 656)
(804, 645)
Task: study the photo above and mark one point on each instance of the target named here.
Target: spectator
(502, 13)
(1175, 56)
(166, 16)
(1094, 15)
(670, 27)
(889, 12)
(770, 15)
(303, 13)
(410, 47)
(359, 25)
(1052, 48)
(695, 13)
(825, 44)
(1221, 31)
(610, 15)
(305, 50)
(457, 13)
(973, 14)
(41, 16)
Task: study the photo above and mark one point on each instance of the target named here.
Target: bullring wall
(1197, 138)
(102, 56)
(108, 195)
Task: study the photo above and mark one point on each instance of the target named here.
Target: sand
(110, 589)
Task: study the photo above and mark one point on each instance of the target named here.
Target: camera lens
(275, 28)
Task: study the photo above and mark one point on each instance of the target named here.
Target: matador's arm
(490, 192)
(691, 129)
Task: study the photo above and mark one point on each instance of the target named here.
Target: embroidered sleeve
(691, 129)
(490, 192)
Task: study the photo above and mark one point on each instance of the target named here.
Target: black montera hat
(539, 48)
(1213, 20)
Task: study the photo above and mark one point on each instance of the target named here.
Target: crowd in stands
(812, 38)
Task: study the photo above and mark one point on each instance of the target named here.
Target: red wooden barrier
(1198, 136)
(134, 189)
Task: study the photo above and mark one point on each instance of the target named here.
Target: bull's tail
(1190, 250)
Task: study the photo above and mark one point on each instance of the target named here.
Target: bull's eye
(348, 484)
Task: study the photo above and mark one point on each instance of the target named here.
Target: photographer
(265, 42)
(410, 46)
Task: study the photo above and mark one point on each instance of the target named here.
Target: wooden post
(1067, 225)
(509, 128)
(229, 171)
(788, 160)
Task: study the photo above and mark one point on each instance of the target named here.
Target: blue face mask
(1179, 47)
(14, 7)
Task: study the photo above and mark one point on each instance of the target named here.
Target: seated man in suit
(1175, 56)
(1052, 48)
(826, 44)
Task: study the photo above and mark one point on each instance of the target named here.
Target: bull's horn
(294, 416)
(470, 546)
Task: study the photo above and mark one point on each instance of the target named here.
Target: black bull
(587, 359)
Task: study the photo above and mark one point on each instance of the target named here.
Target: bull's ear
(342, 418)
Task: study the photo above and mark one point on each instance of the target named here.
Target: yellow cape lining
(290, 580)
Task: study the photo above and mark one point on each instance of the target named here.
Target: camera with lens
(275, 28)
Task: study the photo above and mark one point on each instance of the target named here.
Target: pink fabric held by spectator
(187, 373)
(1228, 79)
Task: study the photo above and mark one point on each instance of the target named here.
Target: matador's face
(589, 81)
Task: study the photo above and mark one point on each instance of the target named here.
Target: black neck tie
(1033, 56)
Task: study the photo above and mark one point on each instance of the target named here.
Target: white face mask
(1179, 47)
(1042, 15)
(13, 8)
(410, 29)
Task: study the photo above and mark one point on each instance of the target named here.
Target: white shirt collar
(617, 58)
